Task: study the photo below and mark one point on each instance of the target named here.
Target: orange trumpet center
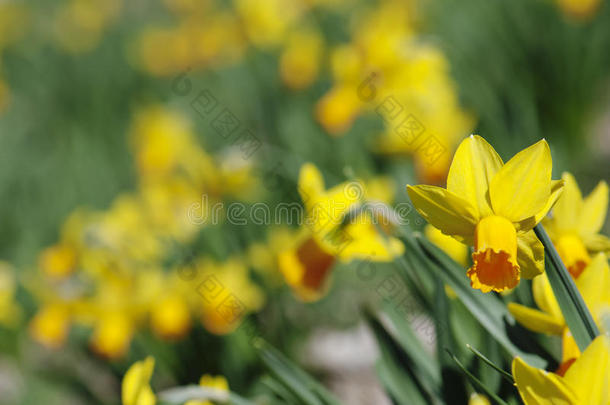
(573, 253)
(306, 269)
(495, 258)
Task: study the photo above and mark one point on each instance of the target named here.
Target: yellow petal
(567, 211)
(529, 223)
(592, 282)
(530, 254)
(544, 297)
(594, 210)
(364, 241)
(456, 250)
(136, 384)
(569, 348)
(534, 320)
(597, 243)
(474, 164)
(589, 376)
(538, 387)
(444, 210)
(326, 209)
(522, 188)
(310, 182)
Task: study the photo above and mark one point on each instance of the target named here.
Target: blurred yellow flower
(493, 206)
(159, 138)
(337, 109)
(594, 286)
(228, 294)
(325, 237)
(266, 21)
(576, 222)
(454, 249)
(135, 389)
(216, 382)
(58, 261)
(585, 382)
(50, 325)
(170, 317)
(112, 335)
(300, 59)
(306, 268)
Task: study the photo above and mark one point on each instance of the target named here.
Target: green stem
(573, 307)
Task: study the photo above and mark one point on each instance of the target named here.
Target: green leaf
(424, 363)
(486, 308)
(411, 362)
(490, 363)
(573, 308)
(476, 382)
(393, 373)
(299, 383)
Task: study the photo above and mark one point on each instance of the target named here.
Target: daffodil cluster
(109, 270)
(389, 67)
(213, 34)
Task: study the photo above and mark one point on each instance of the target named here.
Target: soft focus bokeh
(160, 159)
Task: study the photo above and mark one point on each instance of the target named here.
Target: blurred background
(122, 121)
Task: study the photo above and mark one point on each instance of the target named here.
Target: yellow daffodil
(135, 389)
(50, 325)
(159, 138)
(325, 238)
(300, 60)
(306, 267)
(337, 109)
(494, 207)
(478, 399)
(227, 294)
(594, 286)
(112, 335)
(585, 382)
(216, 382)
(170, 317)
(263, 256)
(58, 261)
(266, 21)
(576, 222)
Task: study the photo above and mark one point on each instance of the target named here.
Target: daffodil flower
(594, 286)
(217, 382)
(575, 224)
(493, 206)
(135, 389)
(324, 237)
(585, 382)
